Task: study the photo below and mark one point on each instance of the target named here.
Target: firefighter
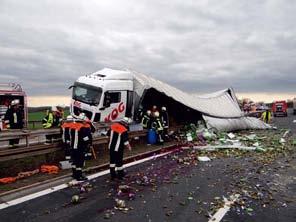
(88, 153)
(65, 128)
(80, 139)
(158, 126)
(139, 115)
(146, 120)
(164, 116)
(60, 113)
(266, 116)
(118, 140)
(51, 121)
(14, 119)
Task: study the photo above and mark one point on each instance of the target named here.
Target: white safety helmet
(15, 102)
(70, 117)
(54, 109)
(63, 106)
(156, 114)
(126, 120)
(163, 108)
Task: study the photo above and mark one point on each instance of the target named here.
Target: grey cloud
(199, 46)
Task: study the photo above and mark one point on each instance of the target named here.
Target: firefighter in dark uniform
(65, 128)
(14, 119)
(92, 129)
(164, 116)
(158, 126)
(81, 138)
(146, 120)
(139, 114)
(118, 140)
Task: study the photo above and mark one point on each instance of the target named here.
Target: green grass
(38, 116)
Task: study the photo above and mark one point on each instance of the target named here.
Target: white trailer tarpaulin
(220, 109)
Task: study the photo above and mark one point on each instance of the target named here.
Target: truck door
(114, 106)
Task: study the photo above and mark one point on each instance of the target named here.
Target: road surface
(178, 187)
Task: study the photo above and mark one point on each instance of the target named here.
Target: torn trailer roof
(220, 109)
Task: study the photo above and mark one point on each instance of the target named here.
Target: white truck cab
(104, 96)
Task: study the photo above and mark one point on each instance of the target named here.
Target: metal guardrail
(39, 149)
(30, 150)
(6, 135)
(26, 134)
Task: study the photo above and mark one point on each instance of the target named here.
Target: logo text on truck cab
(115, 112)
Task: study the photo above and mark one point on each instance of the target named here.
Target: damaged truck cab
(104, 96)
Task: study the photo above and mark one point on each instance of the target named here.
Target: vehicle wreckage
(109, 94)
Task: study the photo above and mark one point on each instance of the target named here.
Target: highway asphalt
(177, 187)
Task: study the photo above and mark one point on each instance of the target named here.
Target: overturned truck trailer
(109, 94)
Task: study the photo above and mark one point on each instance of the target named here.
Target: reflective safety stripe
(68, 157)
(120, 168)
(159, 125)
(78, 168)
(14, 118)
(73, 167)
(112, 165)
(63, 135)
(86, 138)
(118, 142)
(111, 138)
(75, 140)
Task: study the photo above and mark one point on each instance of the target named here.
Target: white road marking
(65, 185)
(222, 211)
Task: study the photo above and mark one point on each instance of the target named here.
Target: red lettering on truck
(115, 112)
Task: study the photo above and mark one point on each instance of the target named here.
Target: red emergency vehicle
(9, 92)
(279, 108)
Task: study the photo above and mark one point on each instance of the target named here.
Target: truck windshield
(87, 94)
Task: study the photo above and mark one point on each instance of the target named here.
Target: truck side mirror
(70, 87)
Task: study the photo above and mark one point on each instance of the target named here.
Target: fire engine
(9, 92)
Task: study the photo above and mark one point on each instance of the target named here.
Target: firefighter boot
(121, 174)
(74, 173)
(112, 173)
(80, 176)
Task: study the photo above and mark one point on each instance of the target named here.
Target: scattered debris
(230, 135)
(75, 199)
(203, 158)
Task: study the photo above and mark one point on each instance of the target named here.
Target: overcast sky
(198, 46)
